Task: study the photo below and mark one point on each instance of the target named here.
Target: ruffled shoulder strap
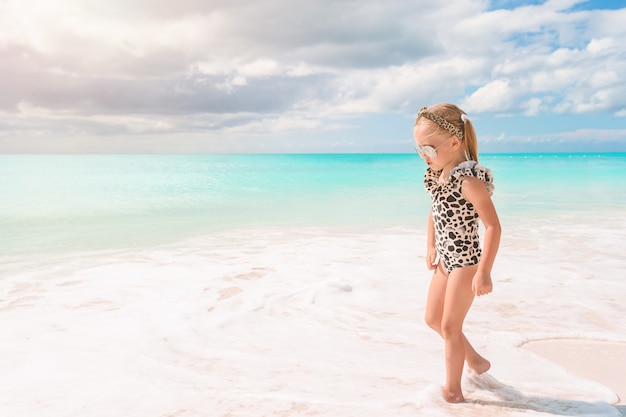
(431, 180)
(472, 169)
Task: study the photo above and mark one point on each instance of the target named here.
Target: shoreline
(597, 360)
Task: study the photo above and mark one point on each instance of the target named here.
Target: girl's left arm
(475, 192)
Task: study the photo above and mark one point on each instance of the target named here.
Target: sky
(340, 76)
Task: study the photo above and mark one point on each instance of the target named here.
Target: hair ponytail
(469, 141)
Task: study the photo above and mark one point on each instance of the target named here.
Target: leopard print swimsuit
(456, 219)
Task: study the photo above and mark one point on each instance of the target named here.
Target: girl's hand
(431, 258)
(481, 284)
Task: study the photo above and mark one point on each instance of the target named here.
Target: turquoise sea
(68, 202)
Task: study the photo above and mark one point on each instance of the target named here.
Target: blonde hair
(454, 120)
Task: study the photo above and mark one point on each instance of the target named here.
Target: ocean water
(291, 285)
(60, 203)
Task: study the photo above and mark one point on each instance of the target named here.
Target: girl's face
(434, 145)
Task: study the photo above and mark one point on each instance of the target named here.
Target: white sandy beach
(288, 323)
(295, 317)
(601, 361)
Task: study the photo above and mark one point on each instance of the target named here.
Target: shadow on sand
(509, 397)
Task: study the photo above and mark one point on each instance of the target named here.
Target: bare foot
(452, 397)
(480, 366)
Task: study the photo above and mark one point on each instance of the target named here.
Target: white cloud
(534, 106)
(112, 67)
(595, 134)
(600, 45)
(495, 96)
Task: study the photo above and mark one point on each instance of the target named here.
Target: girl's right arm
(431, 252)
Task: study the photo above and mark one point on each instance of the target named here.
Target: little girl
(461, 194)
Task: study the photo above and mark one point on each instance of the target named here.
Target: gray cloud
(156, 66)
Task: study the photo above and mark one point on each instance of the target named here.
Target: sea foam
(300, 321)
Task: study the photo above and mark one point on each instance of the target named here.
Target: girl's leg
(457, 301)
(435, 299)
(434, 314)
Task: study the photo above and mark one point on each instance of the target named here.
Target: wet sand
(601, 361)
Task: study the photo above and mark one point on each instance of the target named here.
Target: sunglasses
(428, 151)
